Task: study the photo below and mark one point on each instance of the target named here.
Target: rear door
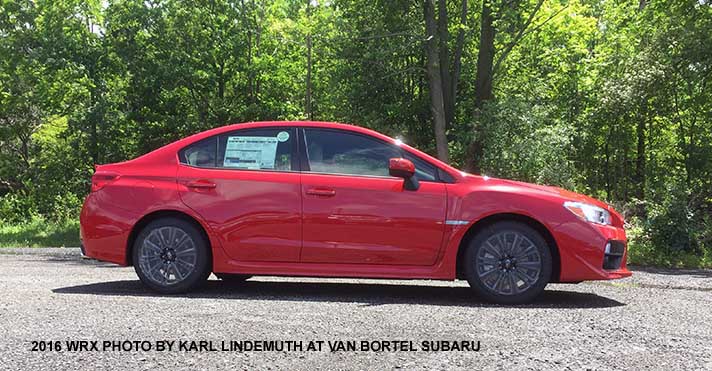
(245, 184)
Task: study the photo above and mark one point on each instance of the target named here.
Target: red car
(333, 200)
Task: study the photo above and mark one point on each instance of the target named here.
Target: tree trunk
(250, 72)
(640, 159)
(443, 40)
(221, 80)
(258, 50)
(607, 164)
(485, 57)
(94, 129)
(308, 95)
(483, 85)
(456, 64)
(435, 81)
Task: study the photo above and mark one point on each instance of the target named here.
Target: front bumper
(613, 255)
(585, 257)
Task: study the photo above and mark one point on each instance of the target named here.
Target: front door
(244, 186)
(354, 212)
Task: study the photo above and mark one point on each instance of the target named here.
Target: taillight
(101, 178)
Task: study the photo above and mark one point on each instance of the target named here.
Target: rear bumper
(104, 231)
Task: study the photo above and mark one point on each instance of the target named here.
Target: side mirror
(403, 168)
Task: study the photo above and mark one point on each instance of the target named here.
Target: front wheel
(508, 263)
(171, 256)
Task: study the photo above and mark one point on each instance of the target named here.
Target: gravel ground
(658, 319)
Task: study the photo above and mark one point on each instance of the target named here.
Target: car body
(316, 199)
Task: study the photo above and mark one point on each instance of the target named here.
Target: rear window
(200, 154)
(252, 149)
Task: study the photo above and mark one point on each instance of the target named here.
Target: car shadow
(369, 294)
(77, 260)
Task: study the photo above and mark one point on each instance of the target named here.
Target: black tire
(233, 278)
(190, 248)
(510, 277)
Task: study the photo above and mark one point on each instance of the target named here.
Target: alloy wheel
(168, 255)
(508, 263)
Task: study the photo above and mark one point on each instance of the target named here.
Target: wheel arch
(527, 220)
(159, 214)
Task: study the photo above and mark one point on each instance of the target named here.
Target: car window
(200, 154)
(335, 152)
(424, 171)
(256, 149)
(338, 152)
(250, 149)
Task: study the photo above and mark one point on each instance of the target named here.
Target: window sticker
(252, 153)
(283, 136)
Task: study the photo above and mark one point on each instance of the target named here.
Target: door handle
(325, 192)
(201, 184)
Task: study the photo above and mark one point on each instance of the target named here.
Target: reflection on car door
(353, 212)
(246, 189)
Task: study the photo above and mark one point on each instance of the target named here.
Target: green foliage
(539, 156)
(643, 251)
(16, 208)
(608, 98)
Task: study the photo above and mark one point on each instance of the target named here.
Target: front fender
(580, 244)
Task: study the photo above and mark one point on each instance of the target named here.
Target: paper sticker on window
(250, 152)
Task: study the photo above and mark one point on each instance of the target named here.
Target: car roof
(319, 124)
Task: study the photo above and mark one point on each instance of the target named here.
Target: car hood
(523, 187)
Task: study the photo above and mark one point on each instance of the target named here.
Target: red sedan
(333, 200)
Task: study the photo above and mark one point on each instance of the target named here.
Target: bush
(522, 142)
(16, 208)
(65, 207)
(19, 207)
(674, 233)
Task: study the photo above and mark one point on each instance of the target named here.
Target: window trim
(295, 163)
(304, 159)
(300, 161)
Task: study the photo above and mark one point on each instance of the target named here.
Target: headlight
(593, 214)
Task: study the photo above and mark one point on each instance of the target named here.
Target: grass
(40, 233)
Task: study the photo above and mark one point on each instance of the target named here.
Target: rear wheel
(171, 256)
(508, 263)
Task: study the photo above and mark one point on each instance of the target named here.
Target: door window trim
(295, 157)
(304, 160)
